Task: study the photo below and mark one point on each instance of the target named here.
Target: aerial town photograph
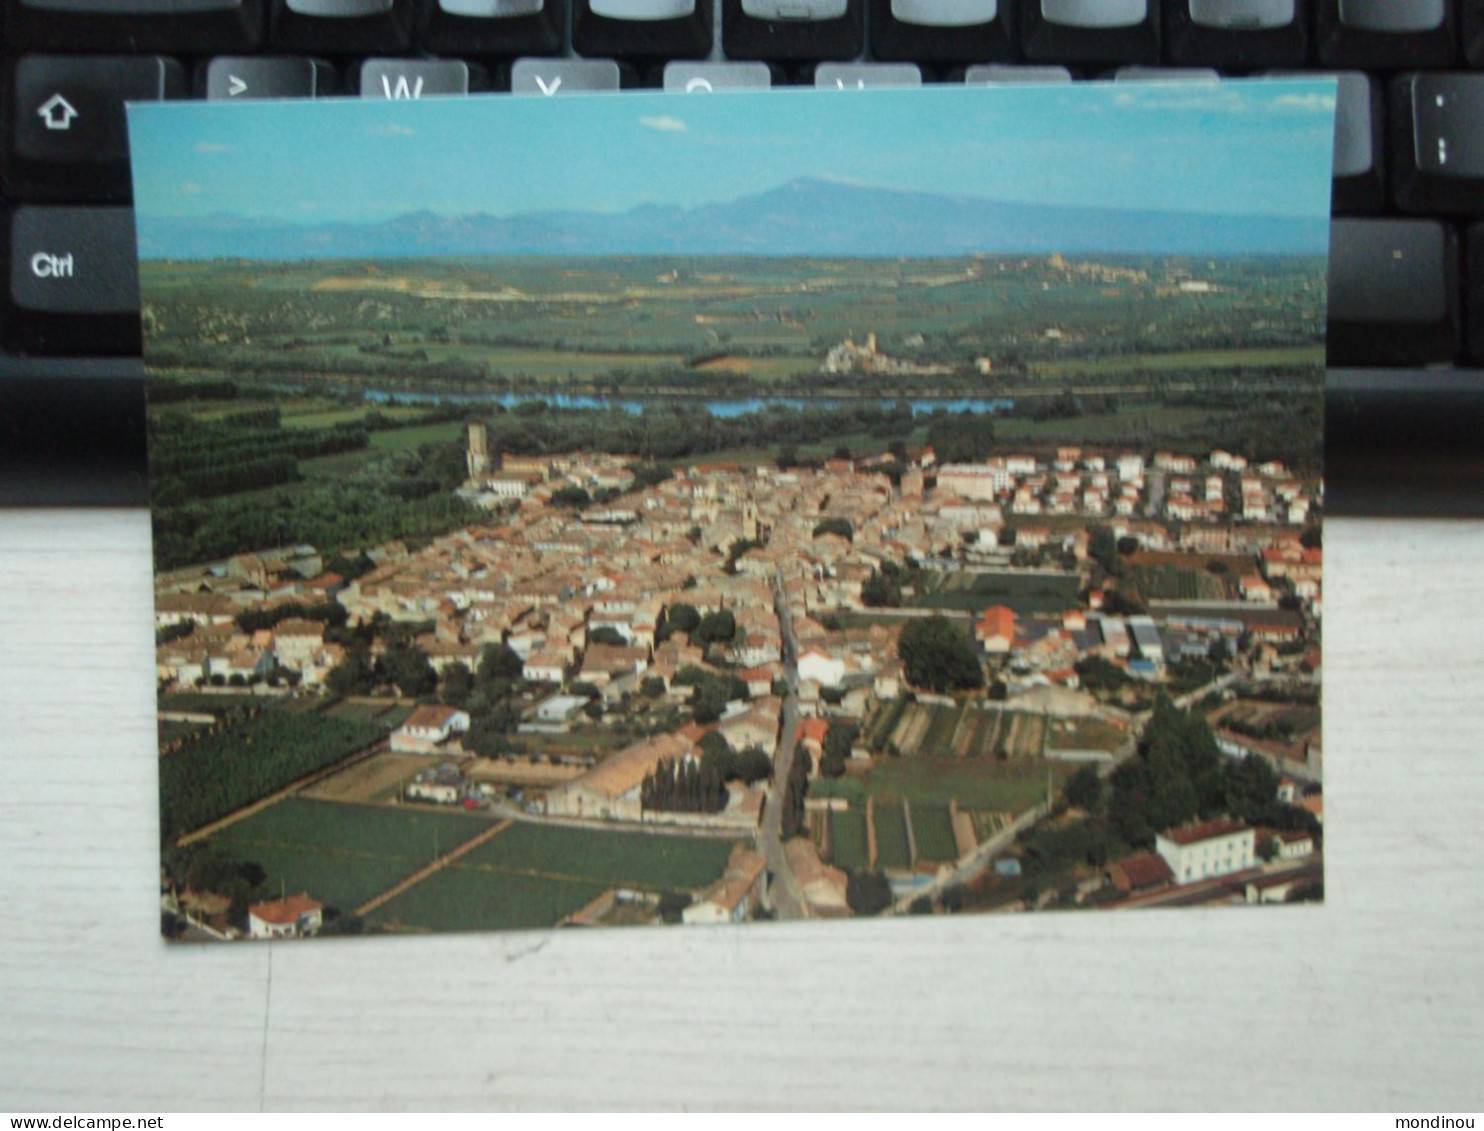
(681, 513)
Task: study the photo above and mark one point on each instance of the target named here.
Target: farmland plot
(932, 829)
(343, 855)
(848, 839)
(891, 837)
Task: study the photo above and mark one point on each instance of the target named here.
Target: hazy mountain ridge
(802, 217)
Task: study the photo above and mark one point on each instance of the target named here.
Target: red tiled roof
(813, 730)
(430, 716)
(1145, 870)
(998, 620)
(282, 912)
(1205, 830)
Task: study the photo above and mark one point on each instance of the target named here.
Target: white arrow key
(268, 77)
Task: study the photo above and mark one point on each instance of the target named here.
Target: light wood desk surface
(1374, 1000)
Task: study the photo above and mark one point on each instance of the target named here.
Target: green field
(1172, 583)
(655, 862)
(200, 703)
(976, 784)
(939, 737)
(534, 875)
(1086, 734)
(527, 876)
(933, 831)
(975, 591)
(414, 436)
(379, 710)
(466, 899)
(848, 847)
(343, 855)
(1183, 361)
(891, 836)
(763, 322)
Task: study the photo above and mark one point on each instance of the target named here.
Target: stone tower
(477, 458)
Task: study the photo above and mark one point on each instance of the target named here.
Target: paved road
(787, 895)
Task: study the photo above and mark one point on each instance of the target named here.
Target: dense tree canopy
(939, 656)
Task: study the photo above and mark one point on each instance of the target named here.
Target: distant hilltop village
(850, 357)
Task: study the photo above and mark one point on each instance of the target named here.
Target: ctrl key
(74, 282)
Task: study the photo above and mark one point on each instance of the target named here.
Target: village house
(546, 666)
(295, 916)
(1210, 848)
(428, 728)
(1144, 871)
(198, 608)
(995, 631)
(441, 785)
(610, 790)
(733, 898)
(1294, 845)
(819, 665)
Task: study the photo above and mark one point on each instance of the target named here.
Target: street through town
(786, 893)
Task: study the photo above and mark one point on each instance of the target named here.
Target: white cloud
(1312, 103)
(1207, 97)
(664, 123)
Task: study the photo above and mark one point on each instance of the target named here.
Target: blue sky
(1257, 147)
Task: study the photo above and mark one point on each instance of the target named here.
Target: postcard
(677, 509)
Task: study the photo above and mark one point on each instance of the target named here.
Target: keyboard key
(495, 27)
(642, 28)
(73, 280)
(283, 76)
(1236, 35)
(1473, 32)
(195, 26)
(942, 31)
(341, 27)
(565, 76)
(1090, 32)
(1167, 74)
(97, 459)
(407, 79)
(1393, 34)
(1360, 167)
(1404, 442)
(793, 29)
(1475, 316)
(704, 78)
(1392, 16)
(861, 76)
(69, 136)
(1393, 292)
(1437, 129)
(991, 74)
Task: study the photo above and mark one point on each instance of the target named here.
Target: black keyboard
(1405, 394)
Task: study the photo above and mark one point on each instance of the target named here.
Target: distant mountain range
(803, 217)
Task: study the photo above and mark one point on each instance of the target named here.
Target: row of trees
(234, 765)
